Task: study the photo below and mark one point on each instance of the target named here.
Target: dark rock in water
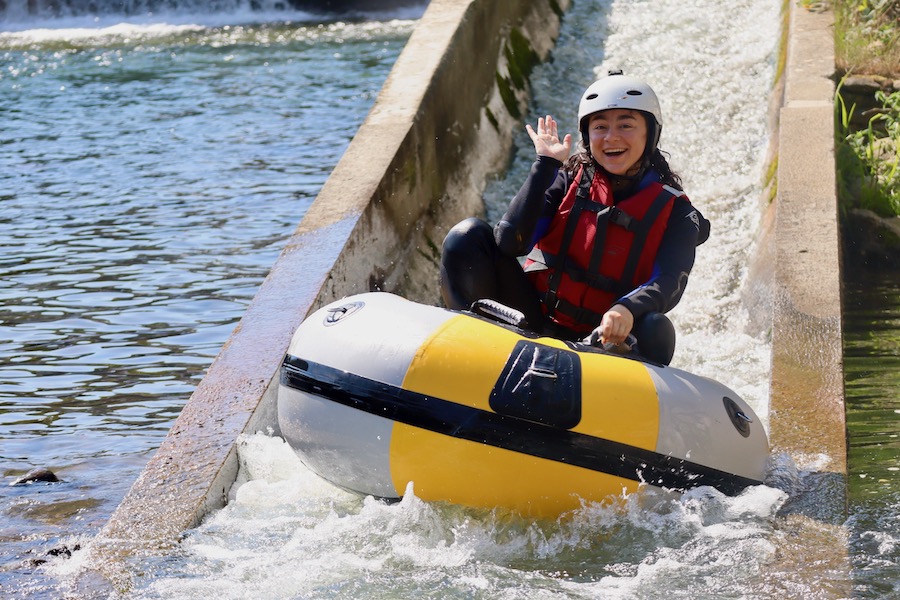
(63, 551)
(35, 475)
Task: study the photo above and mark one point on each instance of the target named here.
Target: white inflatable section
(348, 447)
(694, 424)
(355, 336)
(376, 337)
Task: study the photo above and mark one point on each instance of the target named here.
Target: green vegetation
(867, 36)
(867, 42)
(869, 159)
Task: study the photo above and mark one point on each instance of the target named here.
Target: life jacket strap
(582, 200)
(541, 259)
(642, 231)
(578, 313)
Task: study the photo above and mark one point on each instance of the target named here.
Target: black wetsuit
(478, 262)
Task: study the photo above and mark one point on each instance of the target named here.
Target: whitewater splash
(63, 20)
(288, 534)
(25, 13)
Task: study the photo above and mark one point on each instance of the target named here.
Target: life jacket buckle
(551, 299)
(621, 218)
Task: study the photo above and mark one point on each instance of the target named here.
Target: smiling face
(617, 138)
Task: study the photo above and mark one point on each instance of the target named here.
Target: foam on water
(250, 27)
(65, 21)
(288, 534)
(713, 66)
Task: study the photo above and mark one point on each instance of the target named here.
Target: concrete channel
(441, 125)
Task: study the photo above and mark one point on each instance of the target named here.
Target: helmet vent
(590, 97)
(634, 92)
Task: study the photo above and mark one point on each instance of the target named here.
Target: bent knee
(466, 231)
(656, 337)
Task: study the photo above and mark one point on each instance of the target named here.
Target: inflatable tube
(377, 392)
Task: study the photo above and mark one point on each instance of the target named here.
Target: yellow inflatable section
(619, 403)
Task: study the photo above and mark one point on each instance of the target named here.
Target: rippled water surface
(872, 375)
(148, 176)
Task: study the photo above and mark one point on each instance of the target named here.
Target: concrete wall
(443, 121)
(807, 392)
(806, 402)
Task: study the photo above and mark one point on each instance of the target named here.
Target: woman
(608, 234)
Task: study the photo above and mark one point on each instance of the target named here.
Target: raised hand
(546, 139)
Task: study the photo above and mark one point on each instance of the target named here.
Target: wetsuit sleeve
(674, 261)
(531, 210)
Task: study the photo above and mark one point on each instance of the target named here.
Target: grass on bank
(867, 41)
(867, 37)
(868, 160)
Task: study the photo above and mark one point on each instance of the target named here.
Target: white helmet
(618, 91)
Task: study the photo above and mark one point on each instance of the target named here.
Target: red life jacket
(595, 251)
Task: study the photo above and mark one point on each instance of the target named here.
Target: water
(872, 376)
(149, 174)
(288, 534)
